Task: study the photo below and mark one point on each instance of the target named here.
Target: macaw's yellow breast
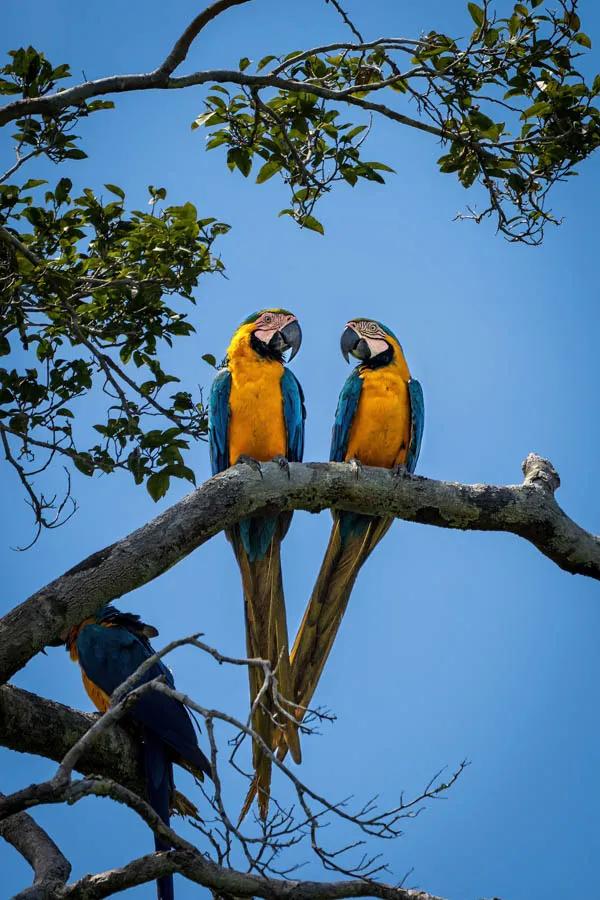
(100, 700)
(380, 433)
(256, 421)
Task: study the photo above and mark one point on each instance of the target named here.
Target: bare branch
(60, 788)
(183, 44)
(50, 867)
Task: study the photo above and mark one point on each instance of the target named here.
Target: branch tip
(540, 472)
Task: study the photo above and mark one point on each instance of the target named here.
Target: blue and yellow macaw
(378, 422)
(109, 647)
(257, 413)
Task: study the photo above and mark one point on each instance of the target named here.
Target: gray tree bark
(32, 724)
(528, 510)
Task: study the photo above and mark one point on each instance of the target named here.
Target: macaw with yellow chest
(257, 414)
(378, 422)
(109, 647)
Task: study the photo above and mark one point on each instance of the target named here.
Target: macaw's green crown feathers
(275, 309)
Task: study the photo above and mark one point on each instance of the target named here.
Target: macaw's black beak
(289, 338)
(351, 343)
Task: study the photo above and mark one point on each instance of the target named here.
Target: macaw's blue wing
(417, 414)
(344, 417)
(350, 524)
(110, 654)
(294, 413)
(218, 422)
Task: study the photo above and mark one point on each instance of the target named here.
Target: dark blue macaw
(109, 647)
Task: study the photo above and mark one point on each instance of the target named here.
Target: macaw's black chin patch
(382, 359)
(270, 350)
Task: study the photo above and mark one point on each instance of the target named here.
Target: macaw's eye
(370, 327)
(268, 319)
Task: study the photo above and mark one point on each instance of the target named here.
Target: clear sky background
(455, 645)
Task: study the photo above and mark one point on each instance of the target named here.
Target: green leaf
(583, 39)
(33, 183)
(311, 223)
(480, 120)
(157, 193)
(265, 62)
(477, 14)
(85, 463)
(244, 63)
(268, 170)
(204, 119)
(100, 104)
(537, 109)
(358, 129)
(4, 346)
(572, 21)
(115, 189)
(210, 359)
(381, 166)
(158, 485)
(62, 190)
(240, 158)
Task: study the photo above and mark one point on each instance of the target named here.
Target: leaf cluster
(509, 105)
(294, 134)
(87, 307)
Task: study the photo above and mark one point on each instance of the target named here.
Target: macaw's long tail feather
(353, 538)
(159, 785)
(183, 806)
(266, 638)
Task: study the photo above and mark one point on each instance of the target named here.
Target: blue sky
(455, 645)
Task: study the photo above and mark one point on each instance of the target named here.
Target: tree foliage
(92, 290)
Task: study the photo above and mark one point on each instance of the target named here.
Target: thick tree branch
(116, 84)
(51, 869)
(528, 510)
(229, 883)
(32, 724)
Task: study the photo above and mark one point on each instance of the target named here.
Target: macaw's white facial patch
(268, 323)
(376, 346)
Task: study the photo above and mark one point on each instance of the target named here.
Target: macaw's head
(370, 342)
(273, 332)
(110, 617)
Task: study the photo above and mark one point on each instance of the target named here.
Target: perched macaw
(109, 647)
(378, 422)
(257, 413)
